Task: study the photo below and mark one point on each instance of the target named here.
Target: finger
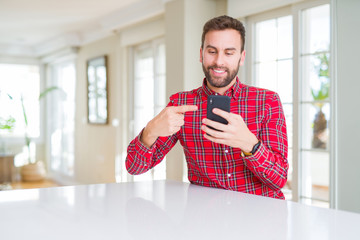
(216, 125)
(179, 123)
(215, 140)
(223, 114)
(185, 108)
(214, 133)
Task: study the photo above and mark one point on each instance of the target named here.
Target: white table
(163, 210)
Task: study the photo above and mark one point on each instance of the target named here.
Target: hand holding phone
(217, 101)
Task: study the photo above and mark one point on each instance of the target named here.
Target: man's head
(222, 23)
(222, 51)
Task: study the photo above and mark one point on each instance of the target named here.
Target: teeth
(218, 71)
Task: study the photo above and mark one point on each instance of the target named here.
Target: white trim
(134, 13)
(16, 50)
(63, 55)
(53, 45)
(333, 107)
(296, 188)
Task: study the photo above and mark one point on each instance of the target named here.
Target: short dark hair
(222, 23)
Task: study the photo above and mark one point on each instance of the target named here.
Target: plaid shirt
(217, 165)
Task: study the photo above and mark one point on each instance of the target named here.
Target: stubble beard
(216, 82)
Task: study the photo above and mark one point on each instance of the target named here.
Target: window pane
(316, 29)
(315, 175)
(284, 36)
(284, 80)
(289, 179)
(62, 119)
(288, 110)
(315, 130)
(149, 93)
(161, 59)
(316, 77)
(266, 75)
(266, 40)
(20, 81)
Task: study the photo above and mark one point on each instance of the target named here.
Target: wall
(184, 20)
(95, 145)
(346, 22)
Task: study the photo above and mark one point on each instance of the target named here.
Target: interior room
(80, 79)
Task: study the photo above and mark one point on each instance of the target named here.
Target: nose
(219, 59)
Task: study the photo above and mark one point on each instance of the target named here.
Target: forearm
(270, 168)
(147, 138)
(141, 158)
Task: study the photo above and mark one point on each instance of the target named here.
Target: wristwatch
(253, 151)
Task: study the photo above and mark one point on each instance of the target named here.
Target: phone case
(217, 101)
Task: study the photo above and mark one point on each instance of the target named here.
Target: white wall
(346, 24)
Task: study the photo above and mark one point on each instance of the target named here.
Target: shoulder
(260, 93)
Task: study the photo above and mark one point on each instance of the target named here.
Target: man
(249, 154)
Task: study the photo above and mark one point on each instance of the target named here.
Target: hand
(234, 134)
(166, 123)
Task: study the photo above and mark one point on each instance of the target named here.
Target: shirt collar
(233, 91)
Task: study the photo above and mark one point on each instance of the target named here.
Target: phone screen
(217, 101)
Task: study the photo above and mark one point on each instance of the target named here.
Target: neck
(221, 90)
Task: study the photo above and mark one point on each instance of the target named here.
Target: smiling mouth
(218, 71)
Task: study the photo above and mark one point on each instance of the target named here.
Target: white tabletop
(163, 210)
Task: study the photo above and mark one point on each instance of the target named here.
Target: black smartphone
(217, 101)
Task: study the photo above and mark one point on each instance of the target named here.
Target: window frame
(153, 43)
(295, 11)
(48, 65)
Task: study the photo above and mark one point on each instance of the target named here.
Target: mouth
(218, 71)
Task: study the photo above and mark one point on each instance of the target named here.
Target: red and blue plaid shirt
(217, 165)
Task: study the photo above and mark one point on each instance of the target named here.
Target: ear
(242, 58)
(201, 56)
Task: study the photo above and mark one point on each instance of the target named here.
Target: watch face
(256, 146)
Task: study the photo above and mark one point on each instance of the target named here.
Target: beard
(217, 81)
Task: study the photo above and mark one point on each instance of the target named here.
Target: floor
(27, 185)
(41, 184)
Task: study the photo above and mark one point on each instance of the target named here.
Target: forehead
(222, 39)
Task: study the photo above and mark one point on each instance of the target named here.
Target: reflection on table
(164, 210)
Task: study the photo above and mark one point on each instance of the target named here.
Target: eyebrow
(226, 49)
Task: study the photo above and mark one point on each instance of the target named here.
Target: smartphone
(217, 101)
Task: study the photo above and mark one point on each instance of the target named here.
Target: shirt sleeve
(269, 163)
(141, 159)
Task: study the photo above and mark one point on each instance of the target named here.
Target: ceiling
(27, 25)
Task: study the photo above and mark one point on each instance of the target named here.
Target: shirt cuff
(142, 149)
(258, 158)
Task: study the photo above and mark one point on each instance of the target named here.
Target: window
(296, 66)
(20, 82)
(315, 105)
(61, 116)
(148, 93)
(273, 69)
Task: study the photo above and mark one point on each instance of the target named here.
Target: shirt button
(226, 151)
(150, 152)
(229, 175)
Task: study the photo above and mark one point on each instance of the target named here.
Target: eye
(229, 53)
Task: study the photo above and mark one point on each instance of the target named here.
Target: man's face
(221, 57)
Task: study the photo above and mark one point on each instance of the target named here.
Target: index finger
(222, 113)
(185, 108)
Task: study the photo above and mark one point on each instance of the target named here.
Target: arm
(156, 139)
(141, 158)
(269, 162)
